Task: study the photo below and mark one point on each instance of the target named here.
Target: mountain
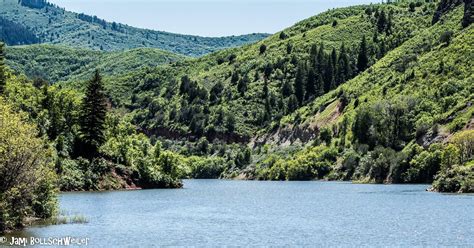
(257, 83)
(31, 21)
(368, 93)
(376, 94)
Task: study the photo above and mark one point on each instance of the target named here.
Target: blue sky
(206, 17)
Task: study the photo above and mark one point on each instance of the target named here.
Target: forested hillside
(55, 63)
(238, 92)
(31, 21)
(370, 93)
(374, 94)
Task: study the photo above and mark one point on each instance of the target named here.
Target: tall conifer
(94, 111)
(3, 76)
(362, 59)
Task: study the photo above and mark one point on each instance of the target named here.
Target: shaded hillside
(50, 24)
(60, 63)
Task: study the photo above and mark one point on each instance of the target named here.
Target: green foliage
(54, 25)
(362, 59)
(397, 115)
(386, 123)
(60, 63)
(468, 17)
(14, 33)
(94, 111)
(457, 167)
(3, 76)
(27, 188)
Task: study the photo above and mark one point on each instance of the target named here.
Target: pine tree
(265, 90)
(362, 59)
(286, 88)
(319, 85)
(94, 111)
(311, 83)
(329, 72)
(313, 53)
(381, 22)
(292, 104)
(334, 57)
(3, 76)
(468, 9)
(242, 85)
(300, 83)
(388, 27)
(319, 62)
(343, 70)
(382, 49)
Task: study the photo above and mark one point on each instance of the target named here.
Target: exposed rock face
(286, 136)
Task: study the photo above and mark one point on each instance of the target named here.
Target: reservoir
(256, 213)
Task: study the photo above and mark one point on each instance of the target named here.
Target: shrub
(27, 185)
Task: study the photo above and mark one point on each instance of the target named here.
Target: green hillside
(292, 96)
(29, 21)
(393, 123)
(61, 63)
(375, 94)
(257, 84)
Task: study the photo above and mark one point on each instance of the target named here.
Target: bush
(28, 183)
(263, 48)
(458, 179)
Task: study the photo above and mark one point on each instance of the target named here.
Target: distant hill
(33, 21)
(60, 63)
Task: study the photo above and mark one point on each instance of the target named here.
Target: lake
(243, 213)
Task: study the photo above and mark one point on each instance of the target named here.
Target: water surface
(242, 213)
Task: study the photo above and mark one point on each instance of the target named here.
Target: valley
(377, 94)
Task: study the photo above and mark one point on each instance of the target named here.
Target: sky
(206, 17)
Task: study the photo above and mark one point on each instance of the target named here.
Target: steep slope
(407, 119)
(374, 94)
(60, 63)
(232, 94)
(53, 25)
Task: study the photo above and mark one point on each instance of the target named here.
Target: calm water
(216, 213)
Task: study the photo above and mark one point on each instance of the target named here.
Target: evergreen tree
(329, 72)
(286, 88)
(388, 27)
(311, 83)
(216, 92)
(300, 83)
(468, 9)
(94, 111)
(230, 123)
(319, 85)
(343, 70)
(362, 59)
(235, 77)
(319, 62)
(292, 104)
(242, 85)
(265, 90)
(382, 49)
(3, 76)
(334, 57)
(263, 48)
(313, 53)
(381, 22)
